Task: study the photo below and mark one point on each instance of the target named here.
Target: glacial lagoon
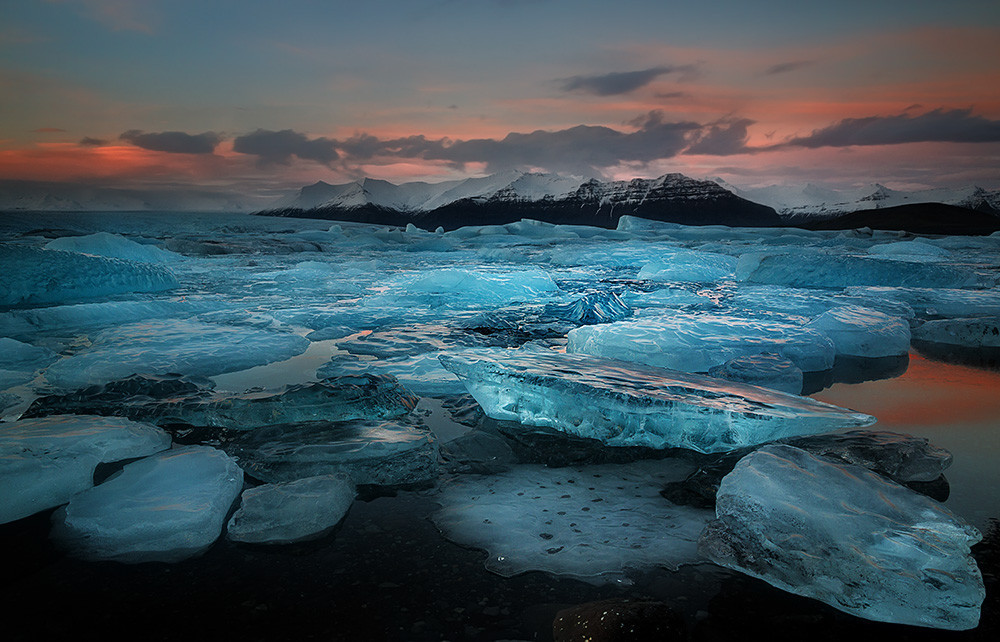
(458, 393)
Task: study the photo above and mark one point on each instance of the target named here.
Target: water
(387, 572)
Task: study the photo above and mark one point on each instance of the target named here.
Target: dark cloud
(278, 147)
(173, 142)
(722, 138)
(92, 142)
(785, 67)
(954, 126)
(622, 82)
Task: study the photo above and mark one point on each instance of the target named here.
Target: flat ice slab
(817, 270)
(981, 332)
(164, 508)
(291, 512)
(698, 342)
(627, 404)
(767, 369)
(846, 536)
(44, 462)
(592, 522)
(863, 332)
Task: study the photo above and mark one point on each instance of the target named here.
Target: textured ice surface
(114, 246)
(453, 287)
(939, 302)
(690, 266)
(808, 303)
(627, 404)
(163, 508)
(811, 269)
(19, 361)
(44, 462)
(666, 299)
(631, 253)
(291, 512)
(978, 332)
(698, 342)
(180, 346)
(598, 307)
(593, 522)
(165, 400)
(910, 251)
(386, 453)
(845, 536)
(767, 369)
(32, 276)
(421, 374)
(78, 316)
(862, 332)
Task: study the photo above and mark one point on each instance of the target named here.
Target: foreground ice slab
(33, 276)
(184, 347)
(804, 270)
(592, 522)
(626, 404)
(698, 342)
(981, 332)
(862, 332)
(845, 536)
(164, 508)
(386, 453)
(170, 399)
(291, 512)
(44, 462)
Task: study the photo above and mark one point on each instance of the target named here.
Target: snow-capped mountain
(510, 196)
(815, 202)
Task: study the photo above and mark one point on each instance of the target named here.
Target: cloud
(622, 82)
(722, 138)
(954, 126)
(92, 142)
(173, 142)
(278, 147)
(785, 67)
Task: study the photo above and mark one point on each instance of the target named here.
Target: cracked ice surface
(592, 522)
(626, 404)
(845, 536)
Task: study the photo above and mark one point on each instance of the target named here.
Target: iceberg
(172, 346)
(113, 246)
(34, 276)
(593, 523)
(452, 287)
(164, 508)
(767, 370)
(938, 302)
(845, 536)
(698, 342)
(291, 512)
(628, 404)
(817, 270)
(910, 251)
(862, 332)
(690, 266)
(44, 462)
(370, 453)
(979, 332)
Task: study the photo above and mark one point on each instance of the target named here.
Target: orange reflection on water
(929, 393)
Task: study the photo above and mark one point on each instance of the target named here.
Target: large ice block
(33, 276)
(44, 462)
(938, 302)
(628, 404)
(291, 512)
(163, 508)
(114, 246)
(862, 332)
(843, 535)
(690, 266)
(698, 342)
(450, 287)
(593, 522)
(767, 369)
(819, 270)
(978, 332)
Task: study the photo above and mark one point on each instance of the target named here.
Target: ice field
(178, 388)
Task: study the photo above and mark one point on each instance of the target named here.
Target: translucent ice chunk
(817, 270)
(291, 512)
(690, 266)
(978, 332)
(939, 302)
(44, 462)
(421, 373)
(845, 536)
(33, 276)
(450, 287)
(114, 246)
(90, 315)
(767, 369)
(627, 404)
(698, 342)
(910, 251)
(164, 508)
(597, 307)
(185, 347)
(593, 522)
(862, 332)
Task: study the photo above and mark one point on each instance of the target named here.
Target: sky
(262, 97)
